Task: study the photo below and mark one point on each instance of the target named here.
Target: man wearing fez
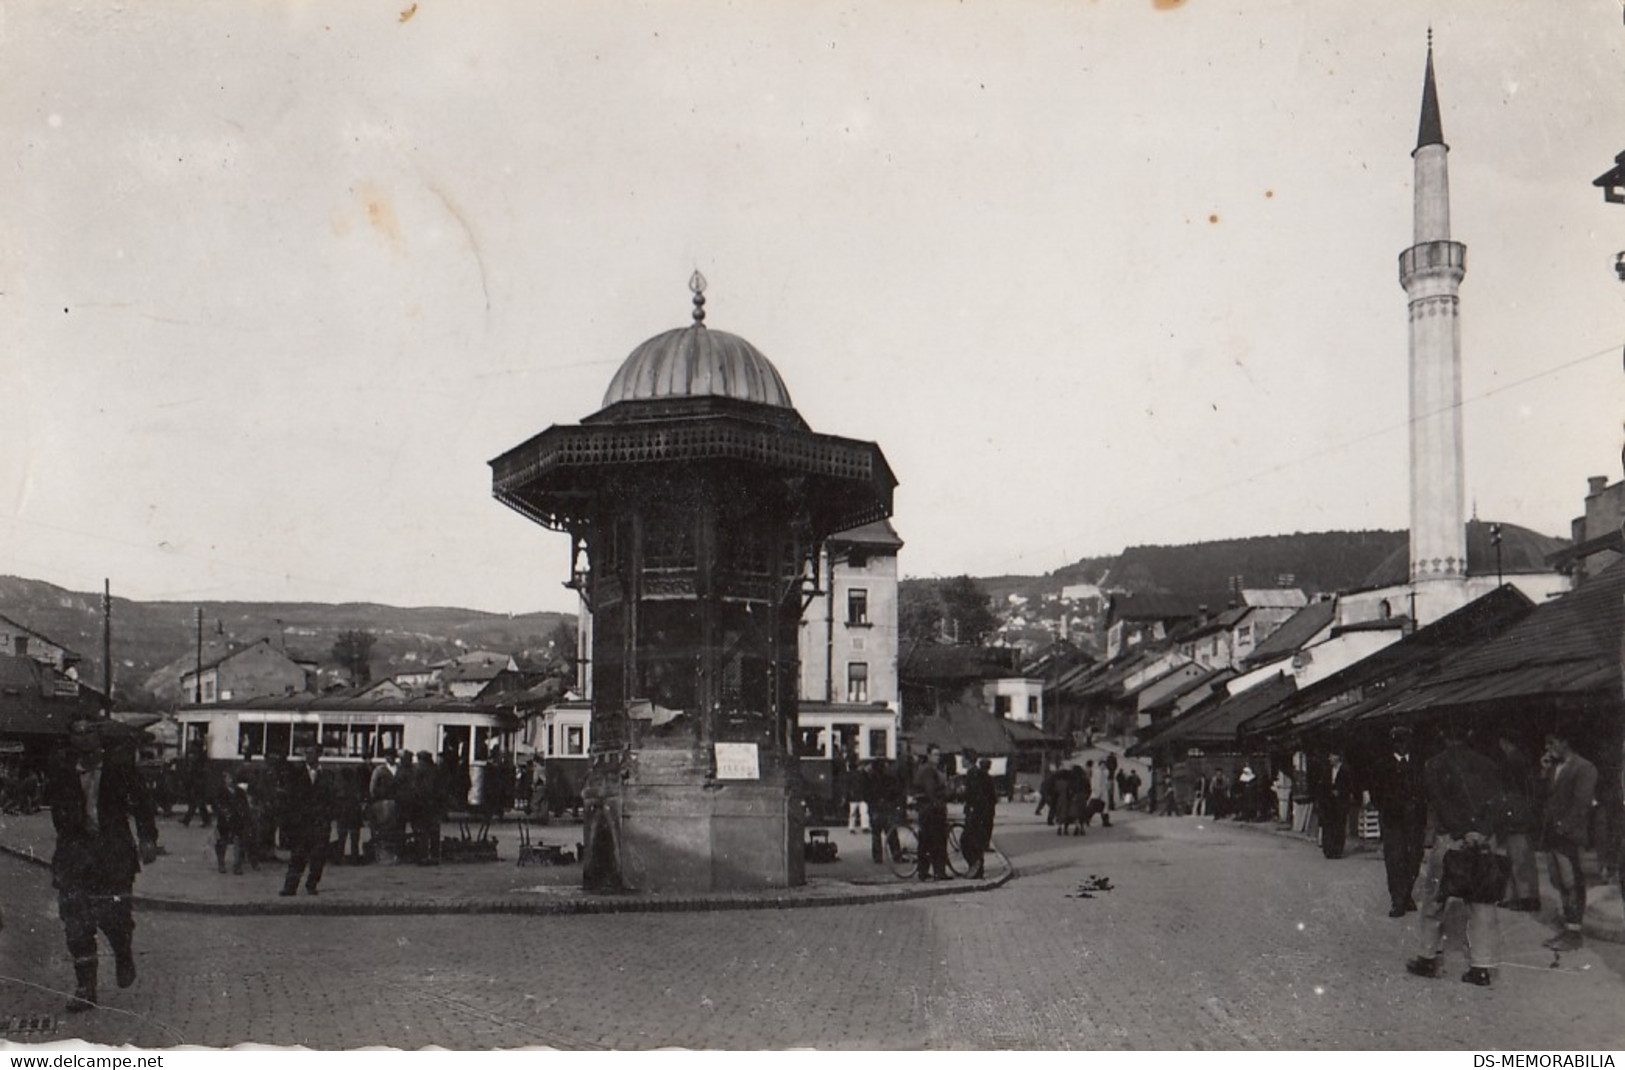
(95, 791)
(309, 808)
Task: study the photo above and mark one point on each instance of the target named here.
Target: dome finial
(696, 285)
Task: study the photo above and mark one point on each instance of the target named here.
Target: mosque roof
(1522, 551)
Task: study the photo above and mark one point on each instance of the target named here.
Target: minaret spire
(1430, 130)
(1431, 271)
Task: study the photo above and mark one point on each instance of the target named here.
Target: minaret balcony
(1432, 258)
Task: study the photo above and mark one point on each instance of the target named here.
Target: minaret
(1431, 271)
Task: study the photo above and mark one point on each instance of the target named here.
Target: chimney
(1597, 484)
(1201, 615)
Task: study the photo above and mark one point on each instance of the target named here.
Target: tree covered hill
(1314, 561)
(148, 636)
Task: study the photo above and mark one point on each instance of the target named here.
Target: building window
(1001, 705)
(208, 690)
(857, 607)
(20, 646)
(857, 681)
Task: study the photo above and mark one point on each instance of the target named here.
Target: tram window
(575, 740)
(391, 737)
(361, 741)
(877, 743)
(278, 739)
(250, 740)
(333, 739)
(810, 742)
(454, 739)
(304, 735)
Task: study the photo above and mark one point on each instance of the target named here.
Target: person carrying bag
(1461, 862)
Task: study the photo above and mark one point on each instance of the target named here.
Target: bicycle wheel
(905, 862)
(956, 859)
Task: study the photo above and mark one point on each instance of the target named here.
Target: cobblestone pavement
(1210, 936)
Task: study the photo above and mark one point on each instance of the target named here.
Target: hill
(149, 636)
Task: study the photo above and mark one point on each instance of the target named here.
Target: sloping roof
(30, 701)
(232, 650)
(67, 650)
(1566, 648)
(879, 535)
(961, 724)
(1522, 551)
(1152, 606)
(1217, 724)
(1398, 666)
(475, 666)
(1274, 597)
(1295, 631)
(1208, 678)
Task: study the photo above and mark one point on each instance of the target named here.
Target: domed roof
(698, 362)
(1522, 551)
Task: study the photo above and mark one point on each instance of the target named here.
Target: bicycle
(905, 857)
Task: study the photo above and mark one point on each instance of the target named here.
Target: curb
(629, 903)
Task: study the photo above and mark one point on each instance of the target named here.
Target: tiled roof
(1400, 666)
(1295, 631)
(1152, 606)
(1216, 725)
(962, 724)
(1567, 647)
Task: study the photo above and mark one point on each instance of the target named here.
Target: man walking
(931, 792)
(95, 791)
(1569, 792)
(309, 809)
(1400, 796)
(1460, 784)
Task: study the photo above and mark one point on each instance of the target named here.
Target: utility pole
(107, 645)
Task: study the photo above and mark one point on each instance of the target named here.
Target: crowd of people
(879, 791)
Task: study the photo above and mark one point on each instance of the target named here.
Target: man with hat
(1400, 795)
(95, 791)
(309, 808)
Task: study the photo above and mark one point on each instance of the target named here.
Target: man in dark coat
(1570, 789)
(430, 790)
(1400, 796)
(886, 799)
(931, 793)
(308, 810)
(195, 779)
(1335, 803)
(981, 798)
(95, 791)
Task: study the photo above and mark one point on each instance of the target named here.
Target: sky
(278, 279)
